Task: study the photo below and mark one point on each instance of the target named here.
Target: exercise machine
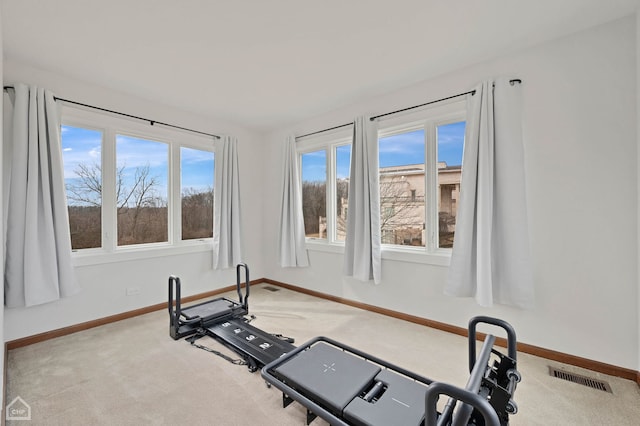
(346, 386)
(185, 321)
(225, 321)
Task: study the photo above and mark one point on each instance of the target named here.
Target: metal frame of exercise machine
(224, 320)
(186, 321)
(346, 386)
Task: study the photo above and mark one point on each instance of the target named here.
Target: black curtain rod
(151, 122)
(325, 130)
(471, 92)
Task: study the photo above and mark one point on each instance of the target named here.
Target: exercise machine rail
(257, 347)
(224, 320)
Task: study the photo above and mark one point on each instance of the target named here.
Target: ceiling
(265, 64)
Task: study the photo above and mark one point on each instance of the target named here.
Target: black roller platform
(210, 310)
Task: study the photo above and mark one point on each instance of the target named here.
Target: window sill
(397, 254)
(413, 255)
(316, 244)
(123, 254)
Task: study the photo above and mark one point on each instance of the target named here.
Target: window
(402, 188)
(130, 185)
(314, 194)
(196, 191)
(450, 139)
(420, 170)
(325, 183)
(420, 167)
(343, 166)
(142, 168)
(81, 152)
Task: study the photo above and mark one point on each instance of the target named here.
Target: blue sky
(80, 146)
(197, 169)
(133, 153)
(402, 149)
(85, 146)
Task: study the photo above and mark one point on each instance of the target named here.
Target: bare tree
(197, 213)
(132, 200)
(401, 211)
(314, 206)
(87, 190)
(135, 198)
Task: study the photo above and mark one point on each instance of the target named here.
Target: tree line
(142, 213)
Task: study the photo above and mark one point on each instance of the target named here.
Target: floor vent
(581, 380)
(269, 288)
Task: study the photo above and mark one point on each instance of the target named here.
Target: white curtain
(362, 244)
(491, 259)
(292, 249)
(38, 265)
(227, 250)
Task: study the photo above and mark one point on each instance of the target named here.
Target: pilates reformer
(225, 321)
(346, 386)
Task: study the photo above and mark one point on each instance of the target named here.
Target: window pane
(81, 150)
(450, 145)
(196, 167)
(343, 165)
(141, 190)
(402, 188)
(314, 193)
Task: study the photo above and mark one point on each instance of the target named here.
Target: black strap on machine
(283, 338)
(201, 333)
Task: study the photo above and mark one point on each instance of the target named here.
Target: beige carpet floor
(132, 373)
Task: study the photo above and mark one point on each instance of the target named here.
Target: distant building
(402, 204)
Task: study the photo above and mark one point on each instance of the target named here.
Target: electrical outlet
(133, 291)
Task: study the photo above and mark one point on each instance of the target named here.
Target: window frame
(111, 126)
(328, 142)
(429, 118)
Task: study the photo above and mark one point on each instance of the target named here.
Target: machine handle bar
(511, 337)
(244, 301)
(173, 280)
(435, 389)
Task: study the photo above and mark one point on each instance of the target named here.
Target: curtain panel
(38, 265)
(227, 240)
(291, 245)
(491, 255)
(362, 253)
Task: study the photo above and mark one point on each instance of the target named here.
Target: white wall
(104, 285)
(581, 162)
